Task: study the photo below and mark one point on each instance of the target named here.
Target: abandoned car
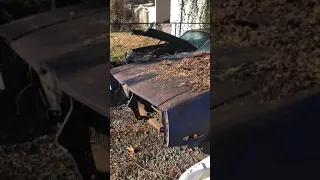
(168, 104)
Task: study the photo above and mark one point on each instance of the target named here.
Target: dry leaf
(130, 149)
(195, 66)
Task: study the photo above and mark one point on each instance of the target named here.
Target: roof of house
(145, 4)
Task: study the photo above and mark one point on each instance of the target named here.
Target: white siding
(152, 14)
(193, 11)
(145, 13)
(142, 15)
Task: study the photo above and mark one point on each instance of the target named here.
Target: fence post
(175, 29)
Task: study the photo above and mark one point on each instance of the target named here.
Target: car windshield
(196, 38)
(205, 48)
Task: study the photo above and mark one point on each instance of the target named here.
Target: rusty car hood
(140, 79)
(157, 34)
(235, 106)
(229, 57)
(72, 43)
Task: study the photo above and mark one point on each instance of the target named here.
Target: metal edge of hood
(154, 33)
(24, 26)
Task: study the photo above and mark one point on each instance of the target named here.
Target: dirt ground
(138, 152)
(289, 28)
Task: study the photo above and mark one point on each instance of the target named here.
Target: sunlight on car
(205, 48)
(196, 38)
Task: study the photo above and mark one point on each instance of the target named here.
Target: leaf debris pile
(290, 28)
(196, 65)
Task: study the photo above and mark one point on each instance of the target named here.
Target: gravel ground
(28, 151)
(138, 152)
(39, 159)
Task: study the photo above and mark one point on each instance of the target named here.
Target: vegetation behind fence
(121, 39)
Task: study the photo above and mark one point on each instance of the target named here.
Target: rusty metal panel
(29, 24)
(83, 74)
(121, 68)
(223, 92)
(187, 114)
(228, 57)
(131, 71)
(89, 87)
(160, 91)
(48, 44)
(75, 51)
(142, 81)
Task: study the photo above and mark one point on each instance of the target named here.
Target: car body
(184, 115)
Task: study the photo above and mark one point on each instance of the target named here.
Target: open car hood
(153, 33)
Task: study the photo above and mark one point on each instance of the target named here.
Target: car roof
(203, 30)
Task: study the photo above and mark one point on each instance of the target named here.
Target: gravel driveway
(28, 151)
(148, 158)
(39, 159)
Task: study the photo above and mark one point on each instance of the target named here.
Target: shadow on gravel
(16, 130)
(32, 121)
(117, 98)
(287, 147)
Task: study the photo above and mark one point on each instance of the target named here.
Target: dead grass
(121, 42)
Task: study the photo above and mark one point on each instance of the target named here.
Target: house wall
(145, 14)
(141, 15)
(186, 11)
(152, 14)
(162, 10)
